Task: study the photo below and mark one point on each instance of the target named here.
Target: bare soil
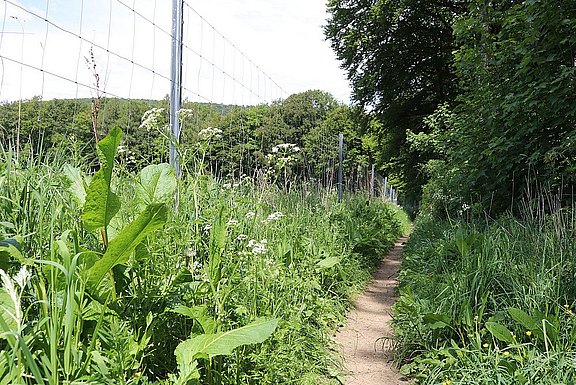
(366, 354)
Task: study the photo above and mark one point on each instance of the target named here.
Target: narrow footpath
(366, 355)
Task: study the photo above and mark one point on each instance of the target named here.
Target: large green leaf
(119, 249)
(8, 323)
(157, 184)
(500, 332)
(78, 183)
(436, 320)
(200, 314)
(223, 343)
(101, 202)
(328, 262)
(523, 318)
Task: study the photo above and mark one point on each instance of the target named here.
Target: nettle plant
(63, 319)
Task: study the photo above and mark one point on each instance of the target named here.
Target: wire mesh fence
(69, 71)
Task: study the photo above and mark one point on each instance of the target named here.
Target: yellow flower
(447, 382)
(485, 345)
(506, 354)
(529, 333)
(566, 306)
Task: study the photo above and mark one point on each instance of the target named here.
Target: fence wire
(120, 48)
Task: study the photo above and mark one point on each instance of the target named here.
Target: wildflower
(485, 345)
(447, 382)
(506, 354)
(232, 222)
(251, 243)
(257, 247)
(273, 217)
(207, 228)
(196, 267)
(529, 333)
(250, 214)
(150, 118)
(285, 147)
(185, 113)
(242, 237)
(566, 306)
(210, 133)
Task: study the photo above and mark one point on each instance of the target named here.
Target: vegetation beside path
(104, 282)
(489, 302)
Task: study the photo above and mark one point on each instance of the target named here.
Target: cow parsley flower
(151, 118)
(257, 247)
(273, 217)
(209, 133)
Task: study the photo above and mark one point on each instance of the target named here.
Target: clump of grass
(489, 302)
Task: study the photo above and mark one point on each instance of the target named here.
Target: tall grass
(230, 254)
(490, 302)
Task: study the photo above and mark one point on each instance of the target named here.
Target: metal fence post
(385, 189)
(176, 81)
(372, 181)
(340, 165)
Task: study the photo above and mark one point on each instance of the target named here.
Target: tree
(516, 117)
(398, 55)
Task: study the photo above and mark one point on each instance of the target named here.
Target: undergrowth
(106, 278)
(489, 302)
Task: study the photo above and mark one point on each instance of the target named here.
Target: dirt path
(366, 357)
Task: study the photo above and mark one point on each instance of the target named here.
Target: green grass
(489, 302)
(225, 253)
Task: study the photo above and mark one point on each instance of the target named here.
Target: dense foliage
(479, 95)
(311, 120)
(489, 303)
(499, 76)
(398, 55)
(103, 281)
(515, 118)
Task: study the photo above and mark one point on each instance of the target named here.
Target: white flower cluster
(250, 214)
(209, 133)
(257, 247)
(283, 155)
(273, 217)
(232, 222)
(196, 267)
(150, 119)
(286, 148)
(185, 113)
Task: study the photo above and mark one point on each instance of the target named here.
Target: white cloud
(284, 39)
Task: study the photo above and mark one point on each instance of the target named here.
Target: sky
(235, 51)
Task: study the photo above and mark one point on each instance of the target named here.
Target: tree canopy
(398, 56)
(472, 97)
(309, 120)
